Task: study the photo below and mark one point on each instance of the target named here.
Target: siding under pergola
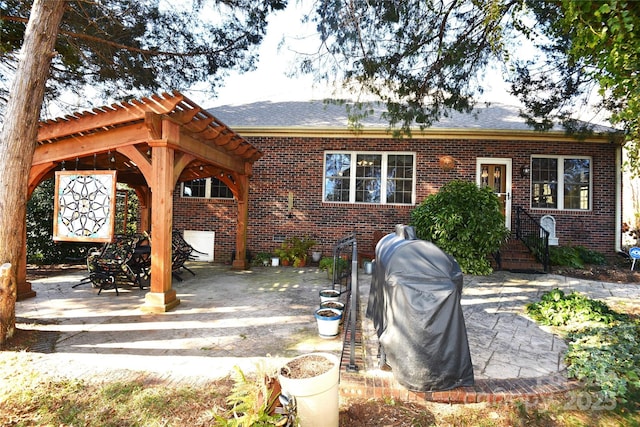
(153, 143)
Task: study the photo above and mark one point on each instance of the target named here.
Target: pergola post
(161, 297)
(240, 260)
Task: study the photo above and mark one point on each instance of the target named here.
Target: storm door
(496, 174)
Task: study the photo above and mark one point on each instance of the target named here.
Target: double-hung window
(208, 188)
(561, 182)
(369, 177)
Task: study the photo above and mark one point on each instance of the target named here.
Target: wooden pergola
(153, 143)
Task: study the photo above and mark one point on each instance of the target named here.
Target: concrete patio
(264, 316)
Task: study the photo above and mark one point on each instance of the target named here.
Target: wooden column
(161, 297)
(240, 260)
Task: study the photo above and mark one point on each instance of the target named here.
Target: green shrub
(464, 221)
(565, 256)
(591, 257)
(261, 258)
(604, 345)
(574, 256)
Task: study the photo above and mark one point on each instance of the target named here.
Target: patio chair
(181, 253)
(112, 265)
(140, 261)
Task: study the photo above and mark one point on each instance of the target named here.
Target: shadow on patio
(225, 318)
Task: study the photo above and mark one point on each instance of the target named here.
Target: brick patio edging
(365, 386)
(356, 385)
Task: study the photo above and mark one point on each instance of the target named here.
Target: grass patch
(77, 403)
(125, 404)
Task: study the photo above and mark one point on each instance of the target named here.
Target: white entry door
(496, 174)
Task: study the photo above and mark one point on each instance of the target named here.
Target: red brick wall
(295, 164)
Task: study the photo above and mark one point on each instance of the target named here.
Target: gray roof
(319, 114)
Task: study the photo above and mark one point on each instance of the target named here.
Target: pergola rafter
(153, 143)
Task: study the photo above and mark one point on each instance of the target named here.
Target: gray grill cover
(414, 303)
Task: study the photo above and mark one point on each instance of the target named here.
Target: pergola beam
(207, 153)
(107, 117)
(87, 145)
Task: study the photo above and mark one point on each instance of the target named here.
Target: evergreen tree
(117, 47)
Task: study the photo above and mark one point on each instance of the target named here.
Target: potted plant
(262, 258)
(284, 254)
(328, 320)
(313, 380)
(296, 250)
(326, 264)
(253, 401)
(329, 295)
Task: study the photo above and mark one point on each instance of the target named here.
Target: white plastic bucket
(316, 397)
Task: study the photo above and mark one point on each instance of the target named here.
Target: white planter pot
(328, 327)
(315, 256)
(275, 261)
(368, 267)
(329, 295)
(317, 396)
(336, 305)
(332, 304)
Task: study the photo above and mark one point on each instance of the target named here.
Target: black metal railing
(348, 246)
(533, 235)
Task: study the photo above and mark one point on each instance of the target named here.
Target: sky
(269, 82)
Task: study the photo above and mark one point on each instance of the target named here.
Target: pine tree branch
(90, 38)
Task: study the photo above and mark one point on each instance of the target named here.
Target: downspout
(619, 181)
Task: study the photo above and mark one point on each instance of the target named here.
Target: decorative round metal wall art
(85, 205)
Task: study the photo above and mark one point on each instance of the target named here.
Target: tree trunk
(18, 138)
(8, 292)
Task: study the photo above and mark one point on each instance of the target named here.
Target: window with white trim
(207, 188)
(369, 177)
(561, 182)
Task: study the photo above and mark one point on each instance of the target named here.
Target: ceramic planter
(336, 305)
(329, 295)
(332, 304)
(328, 320)
(316, 394)
(275, 261)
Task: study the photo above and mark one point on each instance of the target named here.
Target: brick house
(322, 179)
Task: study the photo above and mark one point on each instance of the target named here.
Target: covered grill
(414, 303)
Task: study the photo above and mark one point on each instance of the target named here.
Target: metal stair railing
(533, 235)
(343, 246)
